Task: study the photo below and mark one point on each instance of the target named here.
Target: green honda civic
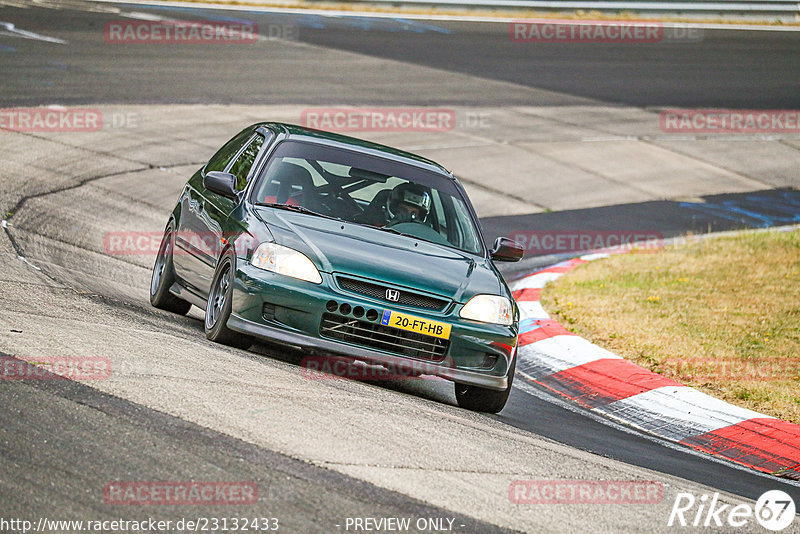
(343, 248)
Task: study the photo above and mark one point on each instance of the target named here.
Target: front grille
(378, 336)
(378, 291)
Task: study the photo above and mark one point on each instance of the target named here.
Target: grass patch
(721, 315)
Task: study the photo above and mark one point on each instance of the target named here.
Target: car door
(195, 247)
(215, 221)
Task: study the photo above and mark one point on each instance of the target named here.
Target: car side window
(220, 160)
(241, 167)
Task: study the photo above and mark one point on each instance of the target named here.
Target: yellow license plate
(416, 324)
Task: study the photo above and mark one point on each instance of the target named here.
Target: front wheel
(218, 307)
(480, 399)
(164, 276)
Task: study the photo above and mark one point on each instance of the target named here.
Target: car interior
(360, 196)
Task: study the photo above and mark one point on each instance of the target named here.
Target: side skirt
(187, 295)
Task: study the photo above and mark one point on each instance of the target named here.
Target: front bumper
(478, 354)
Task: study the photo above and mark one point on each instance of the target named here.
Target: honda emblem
(393, 295)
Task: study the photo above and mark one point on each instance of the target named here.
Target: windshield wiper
(390, 230)
(298, 209)
(303, 209)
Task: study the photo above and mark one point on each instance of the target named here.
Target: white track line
(532, 309)
(677, 412)
(558, 353)
(7, 28)
(535, 281)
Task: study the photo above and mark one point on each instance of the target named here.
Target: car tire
(480, 399)
(218, 307)
(164, 276)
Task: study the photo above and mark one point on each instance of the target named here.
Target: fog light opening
(489, 361)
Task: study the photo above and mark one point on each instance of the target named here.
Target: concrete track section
(74, 296)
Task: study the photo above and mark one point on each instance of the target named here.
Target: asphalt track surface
(723, 69)
(71, 422)
(111, 433)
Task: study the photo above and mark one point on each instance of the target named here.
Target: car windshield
(368, 190)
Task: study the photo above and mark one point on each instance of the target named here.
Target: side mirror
(222, 183)
(506, 250)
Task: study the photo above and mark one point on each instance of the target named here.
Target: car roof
(301, 133)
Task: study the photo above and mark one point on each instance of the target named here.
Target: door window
(241, 167)
(220, 160)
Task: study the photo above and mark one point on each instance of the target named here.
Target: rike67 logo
(774, 511)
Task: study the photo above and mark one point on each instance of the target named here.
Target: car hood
(347, 248)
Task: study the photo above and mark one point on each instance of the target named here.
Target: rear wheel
(218, 307)
(164, 276)
(480, 399)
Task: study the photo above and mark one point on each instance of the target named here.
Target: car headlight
(285, 261)
(489, 309)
